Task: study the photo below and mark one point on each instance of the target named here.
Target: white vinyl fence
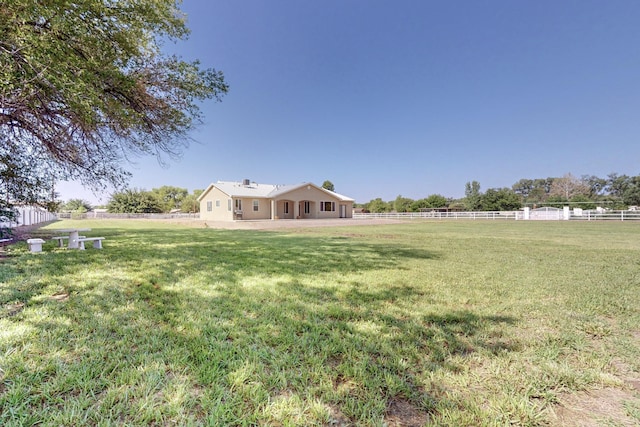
(529, 215)
(438, 215)
(106, 215)
(29, 215)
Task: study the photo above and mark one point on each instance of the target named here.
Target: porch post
(273, 209)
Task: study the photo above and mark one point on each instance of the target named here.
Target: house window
(307, 207)
(229, 205)
(286, 207)
(217, 203)
(209, 206)
(256, 205)
(238, 204)
(327, 206)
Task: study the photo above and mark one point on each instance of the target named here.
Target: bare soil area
(601, 407)
(594, 409)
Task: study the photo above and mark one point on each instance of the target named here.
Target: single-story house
(246, 200)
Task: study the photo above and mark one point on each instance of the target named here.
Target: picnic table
(74, 235)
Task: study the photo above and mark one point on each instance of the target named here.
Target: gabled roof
(266, 191)
(283, 189)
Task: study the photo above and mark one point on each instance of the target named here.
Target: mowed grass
(426, 323)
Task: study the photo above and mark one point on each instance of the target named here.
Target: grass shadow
(227, 328)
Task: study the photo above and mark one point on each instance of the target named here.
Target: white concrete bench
(61, 238)
(97, 242)
(35, 245)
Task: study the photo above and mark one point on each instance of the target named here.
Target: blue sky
(409, 97)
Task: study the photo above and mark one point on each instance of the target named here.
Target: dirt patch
(594, 409)
(60, 296)
(402, 413)
(338, 419)
(13, 309)
(603, 406)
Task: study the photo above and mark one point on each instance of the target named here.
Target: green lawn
(425, 323)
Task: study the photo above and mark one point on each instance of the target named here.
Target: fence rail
(508, 215)
(106, 215)
(438, 215)
(493, 215)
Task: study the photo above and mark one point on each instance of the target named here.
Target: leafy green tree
(378, 206)
(328, 185)
(25, 180)
(473, 196)
(170, 198)
(500, 199)
(402, 204)
(523, 188)
(540, 191)
(631, 195)
(597, 186)
(419, 205)
(533, 191)
(456, 205)
(190, 203)
(76, 205)
(7, 216)
(436, 201)
(85, 85)
(133, 201)
(617, 185)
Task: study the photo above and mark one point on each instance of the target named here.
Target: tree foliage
(473, 197)
(328, 185)
(159, 200)
(533, 191)
(170, 198)
(25, 180)
(378, 206)
(402, 204)
(133, 201)
(588, 192)
(85, 85)
(434, 201)
(76, 205)
(190, 203)
(500, 199)
(7, 215)
(596, 185)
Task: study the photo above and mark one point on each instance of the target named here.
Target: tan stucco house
(246, 200)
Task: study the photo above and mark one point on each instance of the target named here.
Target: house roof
(266, 191)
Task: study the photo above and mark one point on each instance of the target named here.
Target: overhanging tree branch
(84, 84)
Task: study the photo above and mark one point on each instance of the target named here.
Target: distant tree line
(587, 192)
(159, 200)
